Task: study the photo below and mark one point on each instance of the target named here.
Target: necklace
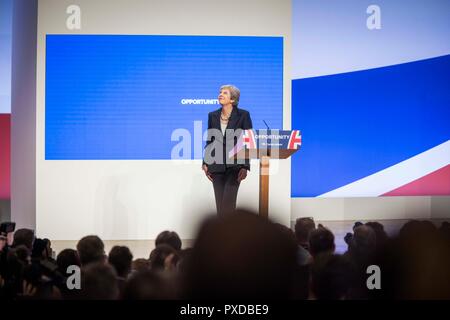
(225, 118)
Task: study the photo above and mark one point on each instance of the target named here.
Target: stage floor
(142, 248)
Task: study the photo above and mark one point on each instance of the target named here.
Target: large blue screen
(122, 96)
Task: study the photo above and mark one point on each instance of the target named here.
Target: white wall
(376, 208)
(138, 199)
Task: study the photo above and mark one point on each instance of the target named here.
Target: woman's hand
(208, 175)
(242, 174)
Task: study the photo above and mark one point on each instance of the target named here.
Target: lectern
(266, 145)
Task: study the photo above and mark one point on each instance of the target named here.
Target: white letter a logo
(73, 21)
(374, 281)
(374, 20)
(74, 280)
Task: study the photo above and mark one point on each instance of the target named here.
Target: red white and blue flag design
(248, 139)
(295, 140)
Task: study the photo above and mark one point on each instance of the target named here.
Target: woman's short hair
(235, 93)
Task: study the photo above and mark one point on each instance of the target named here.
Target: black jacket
(239, 120)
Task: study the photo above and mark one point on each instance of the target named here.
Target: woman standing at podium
(223, 126)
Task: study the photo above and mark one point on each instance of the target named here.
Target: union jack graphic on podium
(295, 140)
(249, 139)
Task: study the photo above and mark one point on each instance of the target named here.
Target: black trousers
(226, 188)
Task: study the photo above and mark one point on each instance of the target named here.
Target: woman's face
(225, 97)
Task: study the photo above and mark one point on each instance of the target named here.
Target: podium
(265, 145)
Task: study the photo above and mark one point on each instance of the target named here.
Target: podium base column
(264, 186)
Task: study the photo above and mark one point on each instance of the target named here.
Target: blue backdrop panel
(119, 96)
(355, 124)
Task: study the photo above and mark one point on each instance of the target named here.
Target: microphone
(266, 124)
